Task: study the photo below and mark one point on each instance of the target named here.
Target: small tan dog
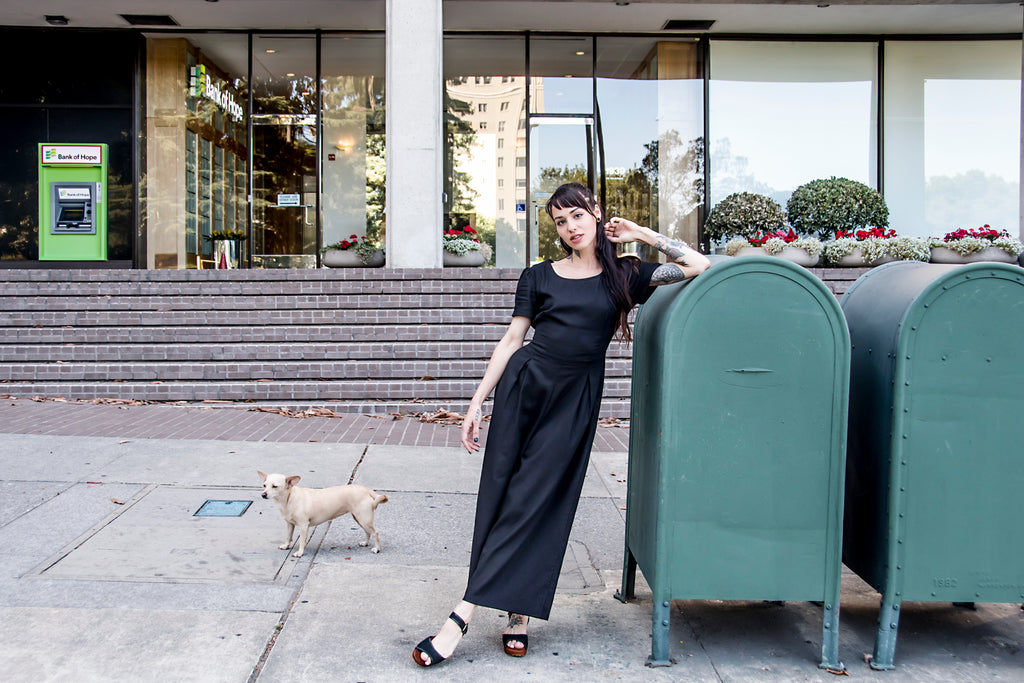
(306, 508)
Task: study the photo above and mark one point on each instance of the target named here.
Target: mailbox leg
(628, 578)
(885, 639)
(830, 638)
(659, 630)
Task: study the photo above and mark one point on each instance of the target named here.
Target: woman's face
(576, 226)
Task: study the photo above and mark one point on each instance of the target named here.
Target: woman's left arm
(683, 262)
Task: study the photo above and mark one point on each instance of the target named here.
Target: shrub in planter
(743, 214)
(826, 206)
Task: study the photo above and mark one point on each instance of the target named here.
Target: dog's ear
(263, 475)
(292, 480)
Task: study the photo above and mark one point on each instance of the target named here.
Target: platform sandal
(508, 638)
(426, 645)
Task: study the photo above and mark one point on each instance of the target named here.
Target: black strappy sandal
(508, 638)
(426, 645)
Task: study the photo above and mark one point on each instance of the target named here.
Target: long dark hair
(613, 268)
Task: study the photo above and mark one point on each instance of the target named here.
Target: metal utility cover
(223, 508)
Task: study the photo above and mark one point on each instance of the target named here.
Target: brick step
(67, 351)
(188, 301)
(282, 391)
(250, 317)
(233, 371)
(264, 334)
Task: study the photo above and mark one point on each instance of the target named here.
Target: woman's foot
(514, 639)
(435, 650)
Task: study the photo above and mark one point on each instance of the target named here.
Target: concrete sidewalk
(107, 574)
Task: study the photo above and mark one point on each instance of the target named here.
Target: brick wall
(352, 340)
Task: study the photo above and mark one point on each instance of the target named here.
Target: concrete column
(415, 143)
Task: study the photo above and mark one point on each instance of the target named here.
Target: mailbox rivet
(828, 606)
(664, 622)
(665, 604)
(828, 626)
(933, 594)
(892, 625)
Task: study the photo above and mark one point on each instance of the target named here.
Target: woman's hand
(471, 428)
(621, 230)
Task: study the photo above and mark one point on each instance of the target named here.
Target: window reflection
(650, 108)
(952, 123)
(485, 143)
(352, 167)
(783, 114)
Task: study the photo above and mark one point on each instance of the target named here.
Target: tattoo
(667, 273)
(516, 620)
(577, 253)
(674, 249)
(479, 414)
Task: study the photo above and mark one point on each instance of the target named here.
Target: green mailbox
(72, 202)
(737, 443)
(935, 478)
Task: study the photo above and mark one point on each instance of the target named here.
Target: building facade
(300, 125)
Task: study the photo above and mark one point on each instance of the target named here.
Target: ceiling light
(289, 75)
(56, 20)
(580, 53)
(271, 51)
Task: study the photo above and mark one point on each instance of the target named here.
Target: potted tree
(826, 206)
(743, 215)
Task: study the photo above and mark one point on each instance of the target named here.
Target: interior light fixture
(290, 75)
(57, 20)
(580, 53)
(270, 51)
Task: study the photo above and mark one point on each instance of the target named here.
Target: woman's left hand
(621, 230)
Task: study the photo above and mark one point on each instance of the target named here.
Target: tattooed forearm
(667, 273)
(674, 249)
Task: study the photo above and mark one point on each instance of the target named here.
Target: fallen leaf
(115, 500)
(838, 672)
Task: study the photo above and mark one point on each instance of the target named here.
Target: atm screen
(72, 213)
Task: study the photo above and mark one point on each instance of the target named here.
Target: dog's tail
(378, 498)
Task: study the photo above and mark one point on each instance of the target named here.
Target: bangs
(570, 196)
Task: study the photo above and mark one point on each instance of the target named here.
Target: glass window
(561, 70)
(650, 108)
(352, 201)
(952, 135)
(479, 71)
(93, 103)
(284, 139)
(784, 113)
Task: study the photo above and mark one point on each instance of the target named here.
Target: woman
(545, 411)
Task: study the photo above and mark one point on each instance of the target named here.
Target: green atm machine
(72, 202)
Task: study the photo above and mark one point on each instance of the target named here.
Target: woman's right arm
(511, 342)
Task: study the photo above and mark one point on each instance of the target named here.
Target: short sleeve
(640, 288)
(526, 295)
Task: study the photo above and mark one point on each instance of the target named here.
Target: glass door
(284, 152)
(562, 150)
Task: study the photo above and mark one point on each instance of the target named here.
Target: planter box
(348, 258)
(947, 255)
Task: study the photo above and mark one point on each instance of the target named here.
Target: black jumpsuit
(546, 407)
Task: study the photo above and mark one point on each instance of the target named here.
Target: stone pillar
(415, 142)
